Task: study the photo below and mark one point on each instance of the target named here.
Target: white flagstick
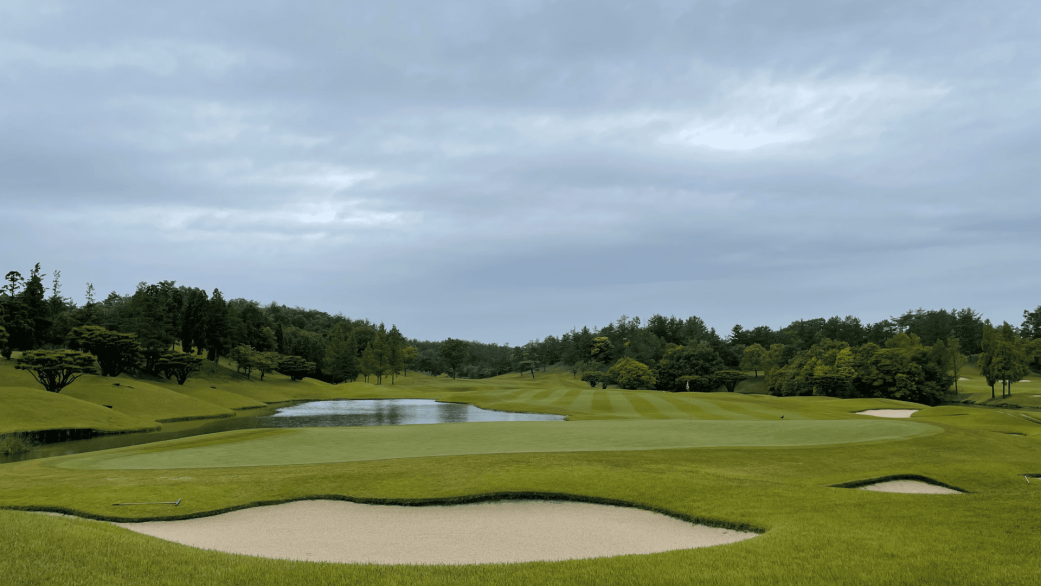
(690, 408)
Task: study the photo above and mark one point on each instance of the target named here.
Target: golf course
(784, 470)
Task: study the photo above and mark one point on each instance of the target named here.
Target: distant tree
(592, 377)
(17, 319)
(37, 309)
(409, 355)
(730, 378)
(754, 358)
(576, 368)
(192, 319)
(115, 351)
(218, 327)
(148, 319)
(696, 383)
(601, 350)
(1010, 361)
(243, 356)
(395, 357)
(56, 369)
(698, 359)
(178, 365)
(3, 343)
(341, 355)
(265, 362)
(1030, 329)
(367, 364)
(627, 373)
(295, 367)
(280, 340)
(453, 354)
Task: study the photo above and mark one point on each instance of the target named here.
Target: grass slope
(39, 410)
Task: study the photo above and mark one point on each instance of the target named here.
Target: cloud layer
(503, 171)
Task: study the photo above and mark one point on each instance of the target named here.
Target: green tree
(754, 358)
(395, 356)
(697, 383)
(409, 356)
(243, 356)
(295, 367)
(1031, 326)
(698, 359)
(56, 369)
(341, 355)
(178, 365)
(266, 362)
(600, 352)
(3, 342)
(218, 327)
(1010, 360)
(730, 378)
(627, 373)
(592, 377)
(989, 342)
(367, 363)
(453, 353)
(149, 320)
(115, 351)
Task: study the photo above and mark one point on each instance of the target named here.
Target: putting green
(270, 447)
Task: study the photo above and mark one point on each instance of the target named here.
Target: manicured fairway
(323, 445)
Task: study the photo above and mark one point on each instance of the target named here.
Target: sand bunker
(890, 413)
(497, 532)
(962, 378)
(909, 487)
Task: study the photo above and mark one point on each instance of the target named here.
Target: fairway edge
(417, 502)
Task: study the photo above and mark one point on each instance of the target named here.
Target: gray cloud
(503, 171)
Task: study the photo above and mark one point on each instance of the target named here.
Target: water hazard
(344, 413)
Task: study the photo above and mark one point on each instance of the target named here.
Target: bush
(630, 374)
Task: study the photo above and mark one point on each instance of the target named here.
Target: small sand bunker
(890, 413)
(962, 378)
(1026, 380)
(497, 532)
(909, 487)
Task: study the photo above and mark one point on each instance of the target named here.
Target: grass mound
(31, 410)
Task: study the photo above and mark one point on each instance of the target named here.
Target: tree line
(887, 358)
(163, 330)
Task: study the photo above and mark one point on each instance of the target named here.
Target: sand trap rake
(156, 503)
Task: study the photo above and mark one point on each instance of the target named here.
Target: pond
(343, 413)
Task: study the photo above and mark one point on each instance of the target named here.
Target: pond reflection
(343, 413)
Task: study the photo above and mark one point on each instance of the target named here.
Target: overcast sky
(505, 170)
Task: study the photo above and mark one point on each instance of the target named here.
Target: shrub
(630, 374)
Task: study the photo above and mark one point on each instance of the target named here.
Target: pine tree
(218, 327)
(395, 352)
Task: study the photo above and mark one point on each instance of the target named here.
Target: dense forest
(164, 329)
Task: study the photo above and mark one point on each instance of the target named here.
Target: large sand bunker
(909, 487)
(496, 532)
(890, 413)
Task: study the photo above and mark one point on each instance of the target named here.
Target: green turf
(38, 410)
(815, 534)
(323, 445)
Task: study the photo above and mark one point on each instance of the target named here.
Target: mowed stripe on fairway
(347, 444)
